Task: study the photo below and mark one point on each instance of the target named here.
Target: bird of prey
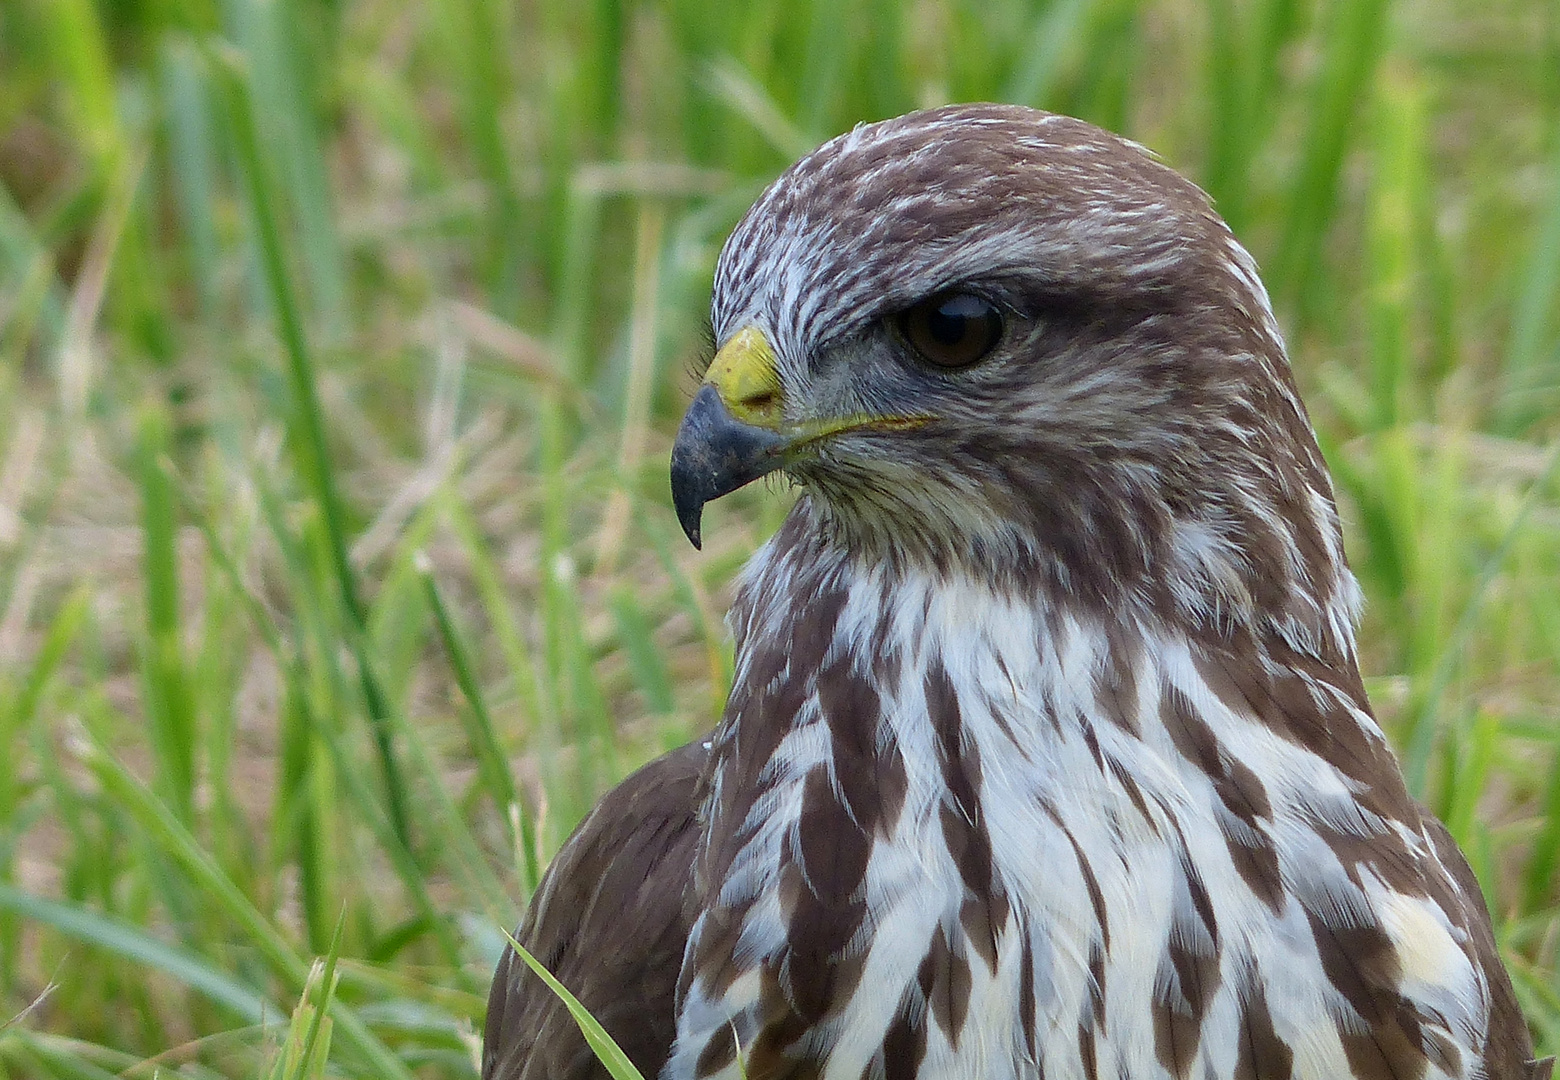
(1047, 754)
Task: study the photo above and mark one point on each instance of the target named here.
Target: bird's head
(990, 338)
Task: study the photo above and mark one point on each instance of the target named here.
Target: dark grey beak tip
(714, 455)
(690, 517)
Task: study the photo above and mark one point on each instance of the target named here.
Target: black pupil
(952, 330)
(952, 321)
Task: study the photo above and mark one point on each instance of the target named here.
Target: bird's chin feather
(892, 511)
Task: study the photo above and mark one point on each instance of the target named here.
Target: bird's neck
(807, 585)
(887, 668)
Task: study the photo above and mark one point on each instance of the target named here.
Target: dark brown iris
(952, 329)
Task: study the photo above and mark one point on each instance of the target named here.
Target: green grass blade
(491, 763)
(170, 710)
(1424, 724)
(823, 68)
(310, 1060)
(43, 1057)
(1390, 241)
(729, 83)
(1229, 100)
(634, 634)
(1056, 30)
(64, 629)
(174, 840)
(281, 114)
(82, 55)
(601, 1044)
(192, 158)
(346, 774)
(311, 444)
(116, 936)
(689, 594)
(1532, 361)
(308, 728)
(1355, 30)
(34, 296)
(473, 39)
(445, 823)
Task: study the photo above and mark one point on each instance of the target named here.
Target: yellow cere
(745, 377)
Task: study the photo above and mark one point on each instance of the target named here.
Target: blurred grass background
(340, 346)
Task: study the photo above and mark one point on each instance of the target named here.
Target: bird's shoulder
(609, 920)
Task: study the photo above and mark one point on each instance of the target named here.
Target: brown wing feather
(609, 920)
(1509, 1048)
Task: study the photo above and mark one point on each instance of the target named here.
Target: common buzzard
(1047, 754)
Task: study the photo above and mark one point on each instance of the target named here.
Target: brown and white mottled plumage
(1047, 754)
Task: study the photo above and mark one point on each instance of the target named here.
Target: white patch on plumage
(1038, 674)
(1435, 965)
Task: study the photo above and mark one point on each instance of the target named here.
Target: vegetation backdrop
(341, 342)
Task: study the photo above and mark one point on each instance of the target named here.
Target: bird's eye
(952, 329)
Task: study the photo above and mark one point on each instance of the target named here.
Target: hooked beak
(731, 434)
(736, 431)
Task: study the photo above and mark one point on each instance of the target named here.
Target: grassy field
(340, 346)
